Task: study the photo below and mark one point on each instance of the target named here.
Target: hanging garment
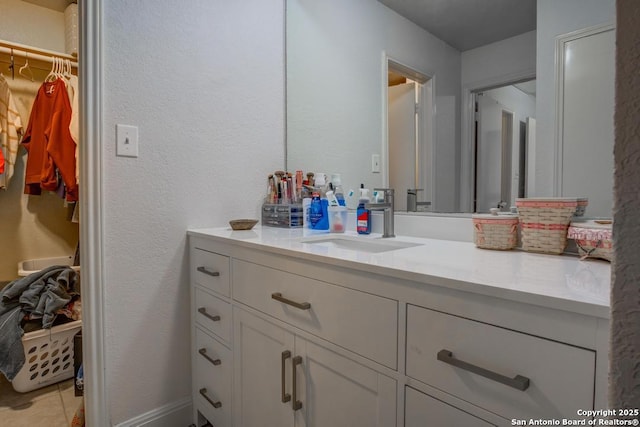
(49, 142)
(10, 130)
(74, 124)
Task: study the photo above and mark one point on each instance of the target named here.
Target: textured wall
(204, 82)
(624, 387)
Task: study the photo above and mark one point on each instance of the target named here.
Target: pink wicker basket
(593, 239)
(495, 231)
(544, 223)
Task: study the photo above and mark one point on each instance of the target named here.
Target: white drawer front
(360, 322)
(213, 313)
(212, 379)
(423, 410)
(561, 377)
(210, 270)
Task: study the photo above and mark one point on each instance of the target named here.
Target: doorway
(409, 130)
(503, 121)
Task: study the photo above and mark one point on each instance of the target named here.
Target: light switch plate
(375, 163)
(126, 141)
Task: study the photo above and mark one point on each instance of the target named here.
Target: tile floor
(51, 406)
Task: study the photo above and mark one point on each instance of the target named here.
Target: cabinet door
(258, 366)
(338, 392)
(423, 410)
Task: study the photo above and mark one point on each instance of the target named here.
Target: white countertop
(555, 281)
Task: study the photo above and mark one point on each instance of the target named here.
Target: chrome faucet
(412, 200)
(387, 208)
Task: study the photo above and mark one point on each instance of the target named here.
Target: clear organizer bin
(282, 215)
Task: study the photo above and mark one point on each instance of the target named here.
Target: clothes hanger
(52, 74)
(26, 69)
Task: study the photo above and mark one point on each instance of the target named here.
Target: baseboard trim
(174, 414)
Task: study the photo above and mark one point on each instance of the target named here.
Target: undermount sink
(370, 245)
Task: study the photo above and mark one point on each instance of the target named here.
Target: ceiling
(467, 24)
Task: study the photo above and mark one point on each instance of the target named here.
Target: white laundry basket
(29, 266)
(49, 357)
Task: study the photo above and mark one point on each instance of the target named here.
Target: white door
(338, 392)
(587, 139)
(488, 154)
(402, 141)
(260, 359)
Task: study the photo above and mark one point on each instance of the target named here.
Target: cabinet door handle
(203, 392)
(203, 352)
(285, 396)
(208, 272)
(301, 305)
(295, 403)
(519, 382)
(203, 311)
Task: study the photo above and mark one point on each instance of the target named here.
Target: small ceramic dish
(242, 224)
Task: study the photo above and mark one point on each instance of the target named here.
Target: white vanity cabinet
(282, 379)
(285, 336)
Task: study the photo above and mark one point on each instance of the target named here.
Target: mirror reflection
(384, 102)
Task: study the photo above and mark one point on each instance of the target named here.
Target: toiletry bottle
(315, 210)
(363, 215)
(336, 180)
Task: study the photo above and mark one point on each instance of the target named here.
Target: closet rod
(24, 51)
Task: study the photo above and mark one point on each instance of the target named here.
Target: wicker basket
(493, 231)
(593, 239)
(544, 223)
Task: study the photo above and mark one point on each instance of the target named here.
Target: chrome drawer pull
(301, 305)
(203, 352)
(519, 382)
(203, 311)
(208, 272)
(295, 403)
(203, 392)
(285, 396)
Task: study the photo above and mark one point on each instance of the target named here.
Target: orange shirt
(49, 143)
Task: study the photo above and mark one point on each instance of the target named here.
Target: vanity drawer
(212, 313)
(210, 270)
(212, 379)
(422, 410)
(561, 377)
(363, 323)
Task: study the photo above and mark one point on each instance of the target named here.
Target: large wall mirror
(451, 125)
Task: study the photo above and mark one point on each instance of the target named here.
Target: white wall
(506, 58)
(557, 18)
(204, 82)
(335, 87)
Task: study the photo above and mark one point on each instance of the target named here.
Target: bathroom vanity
(290, 329)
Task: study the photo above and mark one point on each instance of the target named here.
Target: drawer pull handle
(203, 311)
(285, 396)
(519, 382)
(295, 403)
(203, 392)
(301, 305)
(203, 352)
(208, 272)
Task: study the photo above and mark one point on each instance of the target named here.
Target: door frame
(90, 64)
(427, 128)
(560, 58)
(467, 146)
